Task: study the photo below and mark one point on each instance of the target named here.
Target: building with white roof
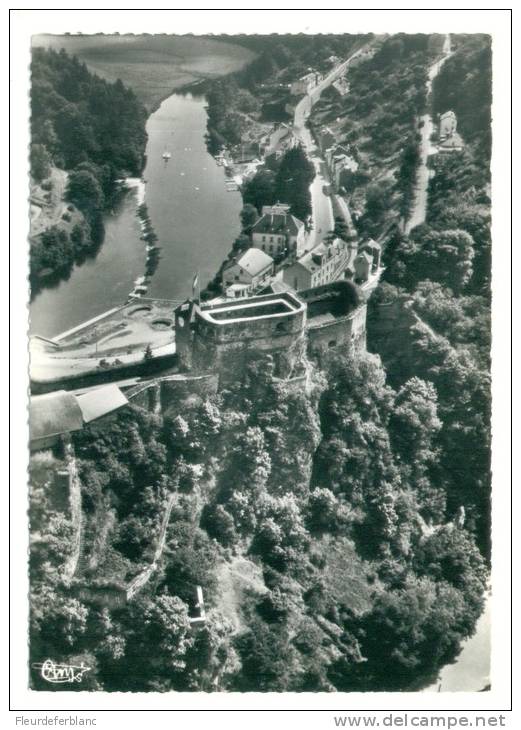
(58, 414)
(98, 402)
(248, 273)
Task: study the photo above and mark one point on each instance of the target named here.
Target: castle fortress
(288, 326)
(213, 344)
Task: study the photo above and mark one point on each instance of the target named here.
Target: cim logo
(61, 673)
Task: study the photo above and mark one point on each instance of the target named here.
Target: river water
(471, 670)
(194, 217)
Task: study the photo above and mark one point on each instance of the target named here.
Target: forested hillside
(332, 501)
(442, 269)
(259, 92)
(378, 117)
(94, 130)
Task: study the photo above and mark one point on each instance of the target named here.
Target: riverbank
(194, 219)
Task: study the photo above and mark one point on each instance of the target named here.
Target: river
(471, 670)
(194, 217)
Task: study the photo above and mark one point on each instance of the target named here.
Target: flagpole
(198, 288)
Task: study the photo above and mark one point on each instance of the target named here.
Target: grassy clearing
(152, 65)
(348, 578)
(239, 582)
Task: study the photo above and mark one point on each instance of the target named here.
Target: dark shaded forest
(441, 273)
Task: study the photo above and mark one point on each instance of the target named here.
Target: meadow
(152, 65)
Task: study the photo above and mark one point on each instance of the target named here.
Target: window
(264, 238)
(271, 239)
(263, 247)
(236, 277)
(331, 343)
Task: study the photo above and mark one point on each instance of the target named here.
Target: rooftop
(371, 243)
(275, 222)
(330, 301)
(100, 401)
(310, 260)
(364, 255)
(254, 261)
(54, 414)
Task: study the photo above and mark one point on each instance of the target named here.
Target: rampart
(170, 395)
(336, 317)
(223, 337)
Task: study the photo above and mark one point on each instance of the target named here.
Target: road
(419, 211)
(323, 218)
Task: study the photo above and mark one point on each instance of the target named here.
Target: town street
(419, 210)
(323, 218)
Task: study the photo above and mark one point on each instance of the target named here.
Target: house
(340, 159)
(278, 232)
(243, 276)
(449, 139)
(454, 143)
(342, 163)
(325, 139)
(319, 266)
(305, 83)
(278, 140)
(374, 249)
(448, 124)
(245, 153)
(363, 264)
(333, 60)
(341, 86)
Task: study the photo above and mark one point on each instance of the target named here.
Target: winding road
(419, 211)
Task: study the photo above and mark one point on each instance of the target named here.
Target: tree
(414, 421)
(450, 555)
(444, 256)
(269, 661)
(325, 511)
(85, 192)
(148, 354)
(248, 216)
(159, 638)
(260, 189)
(294, 176)
(408, 634)
(219, 523)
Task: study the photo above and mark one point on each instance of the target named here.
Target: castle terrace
(113, 340)
(252, 309)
